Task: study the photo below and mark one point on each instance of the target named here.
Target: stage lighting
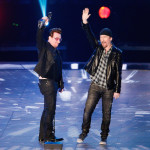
(43, 4)
(124, 67)
(74, 66)
(104, 12)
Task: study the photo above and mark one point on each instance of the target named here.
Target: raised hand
(46, 19)
(85, 15)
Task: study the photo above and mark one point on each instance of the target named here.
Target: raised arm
(85, 16)
(39, 36)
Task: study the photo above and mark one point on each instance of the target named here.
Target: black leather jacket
(114, 64)
(49, 64)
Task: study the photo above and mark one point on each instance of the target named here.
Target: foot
(53, 140)
(103, 142)
(81, 138)
(41, 139)
(50, 138)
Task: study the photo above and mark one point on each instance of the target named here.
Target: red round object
(104, 12)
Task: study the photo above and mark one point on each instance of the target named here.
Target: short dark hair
(57, 30)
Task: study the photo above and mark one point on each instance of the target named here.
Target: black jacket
(49, 63)
(114, 64)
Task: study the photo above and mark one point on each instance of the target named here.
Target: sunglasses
(58, 39)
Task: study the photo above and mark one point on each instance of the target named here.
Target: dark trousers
(49, 89)
(94, 94)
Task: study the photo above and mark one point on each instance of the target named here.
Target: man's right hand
(85, 15)
(46, 19)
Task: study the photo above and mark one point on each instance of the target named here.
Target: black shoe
(81, 138)
(51, 138)
(41, 139)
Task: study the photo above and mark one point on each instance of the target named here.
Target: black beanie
(106, 31)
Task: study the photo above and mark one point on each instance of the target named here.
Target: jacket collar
(51, 47)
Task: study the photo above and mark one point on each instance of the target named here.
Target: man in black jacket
(105, 68)
(49, 69)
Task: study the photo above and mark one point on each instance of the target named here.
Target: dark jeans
(94, 94)
(49, 89)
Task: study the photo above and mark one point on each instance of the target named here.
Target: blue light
(43, 4)
(47, 23)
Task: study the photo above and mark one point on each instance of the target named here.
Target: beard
(104, 44)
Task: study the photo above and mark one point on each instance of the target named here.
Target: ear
(49, 38)
(111, 38)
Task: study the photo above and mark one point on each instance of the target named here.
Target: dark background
(129, 21)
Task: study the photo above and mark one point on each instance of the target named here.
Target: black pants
(94, 94)
(49, 89)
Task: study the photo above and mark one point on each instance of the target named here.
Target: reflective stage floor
(21, 105)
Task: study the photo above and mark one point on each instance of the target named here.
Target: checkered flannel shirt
(100, 76)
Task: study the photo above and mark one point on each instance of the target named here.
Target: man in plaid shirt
(100, 76)
(105, 68)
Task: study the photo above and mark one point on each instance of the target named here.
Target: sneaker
(81, 138)
(103, 142)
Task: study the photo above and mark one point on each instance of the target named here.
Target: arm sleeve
(40, 42)
(118, 73)
(90, 36)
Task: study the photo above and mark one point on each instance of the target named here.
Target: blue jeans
(49, 89)
(94, 94)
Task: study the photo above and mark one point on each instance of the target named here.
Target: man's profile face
(105, 40)
(55, 39)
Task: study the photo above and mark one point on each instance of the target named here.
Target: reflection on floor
(21, 105)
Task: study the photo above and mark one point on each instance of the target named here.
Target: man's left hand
(116, 95)
(60, 90)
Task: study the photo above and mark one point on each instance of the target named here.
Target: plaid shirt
(100, 76)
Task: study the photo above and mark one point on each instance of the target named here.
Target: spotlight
(74, 66)
(43, 4)
(124, 67)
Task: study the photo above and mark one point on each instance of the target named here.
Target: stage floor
(21, 105)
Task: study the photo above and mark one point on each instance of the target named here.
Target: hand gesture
(85, 15)
(46, 19)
